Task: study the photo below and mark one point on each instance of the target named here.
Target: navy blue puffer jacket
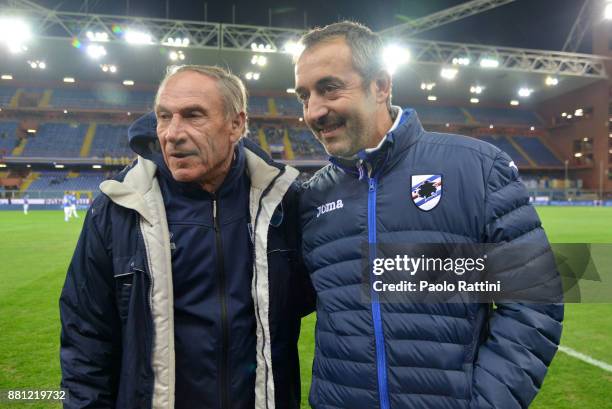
(370, 354)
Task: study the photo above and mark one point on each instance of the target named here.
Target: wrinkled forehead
(187, 88)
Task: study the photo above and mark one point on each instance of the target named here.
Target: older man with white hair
(180, 293)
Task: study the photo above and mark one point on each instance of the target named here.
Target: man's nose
(316, 109)
(174, 131)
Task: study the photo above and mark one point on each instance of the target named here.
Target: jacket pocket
(125, 270)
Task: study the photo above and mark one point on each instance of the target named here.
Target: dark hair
(366, 46)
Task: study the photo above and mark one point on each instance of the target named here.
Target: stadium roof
(55, 35)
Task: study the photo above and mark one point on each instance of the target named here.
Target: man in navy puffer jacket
(180, 291)
(371, 354)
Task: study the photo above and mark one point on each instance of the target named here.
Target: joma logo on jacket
(329, 207)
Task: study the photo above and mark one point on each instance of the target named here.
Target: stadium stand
(62, 181)
(8, 139)
(110, 140)
(305, 145)
(258, 105)
(287, 106)
(537, 151)
(102, 98)
(503, 116)
(440, 115)
(274, 135)
(6, 94)
(56, 140)
(506, 145)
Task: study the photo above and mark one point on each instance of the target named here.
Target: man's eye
(329, 88)
(194, 114)
(163, 117)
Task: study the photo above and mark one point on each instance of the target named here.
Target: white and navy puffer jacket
(372, 355)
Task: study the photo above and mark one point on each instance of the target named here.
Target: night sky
(540, 24)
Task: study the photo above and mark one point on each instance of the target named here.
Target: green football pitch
(36, 250)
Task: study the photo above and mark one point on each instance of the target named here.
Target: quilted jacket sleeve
(523, 337)
(91, 331)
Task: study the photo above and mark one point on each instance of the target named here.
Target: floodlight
(7, 77)
(259, 60)
(113, 68)
(476, 89)
(128, 83)
(447, 125)
(294, 48)
(252, 76)
(608, 11)
(137, 37)
(432, 98)
(474, 100)
(290, 90)
(551, 81)
(579, 112)
(57, 166)
(96, 166)
(427, 86)
(262, 48)
(491, 126)
(96, 51)
(99, 36)
(564, 114)
(578, 154)
(449, 73)
(41, 65)
(461, 61)
(14, 32)
(177, 42)
(394, 56)
(525, 92)
(532, 128)
(489, 63)
(514, 102)
(69, 79)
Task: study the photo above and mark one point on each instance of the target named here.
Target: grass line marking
(585, 358)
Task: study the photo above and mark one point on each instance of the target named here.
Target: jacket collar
(374, 162)
(138, 181)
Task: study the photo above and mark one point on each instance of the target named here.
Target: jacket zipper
(224, 367)
(381, 359)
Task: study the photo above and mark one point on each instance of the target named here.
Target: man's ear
(238, 125)
(382, 82)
